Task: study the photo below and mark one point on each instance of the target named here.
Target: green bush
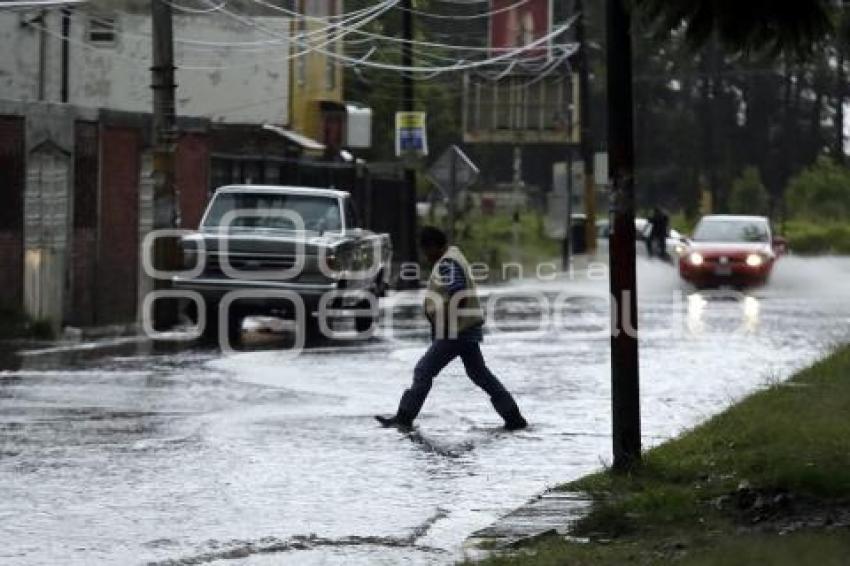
(817, 238)
(820, 192)
(489, 239)
(748, 195)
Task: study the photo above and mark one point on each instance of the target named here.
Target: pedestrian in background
(659, 230)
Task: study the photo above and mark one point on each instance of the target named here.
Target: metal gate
(46, 233)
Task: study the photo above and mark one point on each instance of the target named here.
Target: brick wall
(84, 230)
(118, 245)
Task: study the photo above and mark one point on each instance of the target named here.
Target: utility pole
(515, 197)
(625, 387)
(584, 118)
(42, 55)
(165, 203)
(566, 251)
(408, 105)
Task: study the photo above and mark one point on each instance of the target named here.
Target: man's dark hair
(430, 237)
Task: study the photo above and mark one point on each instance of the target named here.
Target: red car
(738, 251)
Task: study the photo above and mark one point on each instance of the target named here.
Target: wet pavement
(119, 454)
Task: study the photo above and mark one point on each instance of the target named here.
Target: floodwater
(120, 454)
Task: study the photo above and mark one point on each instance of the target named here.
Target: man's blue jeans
(435, 359)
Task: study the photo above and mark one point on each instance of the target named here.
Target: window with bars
(102, 31)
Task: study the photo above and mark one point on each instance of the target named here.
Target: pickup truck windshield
(731, 231)
(320, 214)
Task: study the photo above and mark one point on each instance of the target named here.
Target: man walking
(660, 227)
(457, 319)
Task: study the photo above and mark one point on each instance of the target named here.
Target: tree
(748, 194)
(821, 192)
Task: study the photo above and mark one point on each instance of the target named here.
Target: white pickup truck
(283, 244)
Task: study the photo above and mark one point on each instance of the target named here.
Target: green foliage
(820, 192)
(806, 237)
(690, 549)
(489, 239)
(682, 222)
(748, 194)
(755, 25)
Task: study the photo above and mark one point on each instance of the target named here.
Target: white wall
(253, 86)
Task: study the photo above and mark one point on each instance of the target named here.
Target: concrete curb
(549, 514)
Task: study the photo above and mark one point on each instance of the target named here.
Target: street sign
(411, 136)
(453, 171)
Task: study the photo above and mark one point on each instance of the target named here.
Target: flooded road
(120, 455)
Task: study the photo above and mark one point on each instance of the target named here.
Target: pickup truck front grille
(248, 262)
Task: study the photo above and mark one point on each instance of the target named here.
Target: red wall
(84, 242)
(11, 212)
(118, 246)
(520, 25)
(192, 177)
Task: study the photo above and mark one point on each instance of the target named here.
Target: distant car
(729, 250)
(674, 242)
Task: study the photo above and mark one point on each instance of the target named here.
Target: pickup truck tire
(311, 330)
(364, 323)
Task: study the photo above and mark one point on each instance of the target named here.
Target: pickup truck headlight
(696, 258)
(335, 264)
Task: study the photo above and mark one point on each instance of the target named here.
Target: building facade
(99, 56)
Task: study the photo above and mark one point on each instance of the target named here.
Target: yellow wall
(310, 82)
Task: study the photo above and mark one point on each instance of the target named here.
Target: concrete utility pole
(408, 105)
(516, 194)
(567, 245)
(625, 387)
(165, 203)
(586, 142)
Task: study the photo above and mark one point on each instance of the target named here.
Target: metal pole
(517, 182)
(42, 55)
(166, 211)
(567, 250)
(625, 388)
(64, 94)
(586, 132)
(452, 194)
(408, 105)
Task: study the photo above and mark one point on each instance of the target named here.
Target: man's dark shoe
(516, 423)
(394, 421)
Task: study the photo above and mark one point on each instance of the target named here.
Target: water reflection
(710, 310)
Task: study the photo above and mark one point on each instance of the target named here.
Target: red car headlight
(755, 260)
(695, 258)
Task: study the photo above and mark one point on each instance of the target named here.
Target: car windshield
(731, 231)
(319, 213)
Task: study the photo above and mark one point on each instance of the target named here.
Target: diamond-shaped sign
(453, 171)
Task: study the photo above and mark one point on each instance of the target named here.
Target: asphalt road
(121, 453)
